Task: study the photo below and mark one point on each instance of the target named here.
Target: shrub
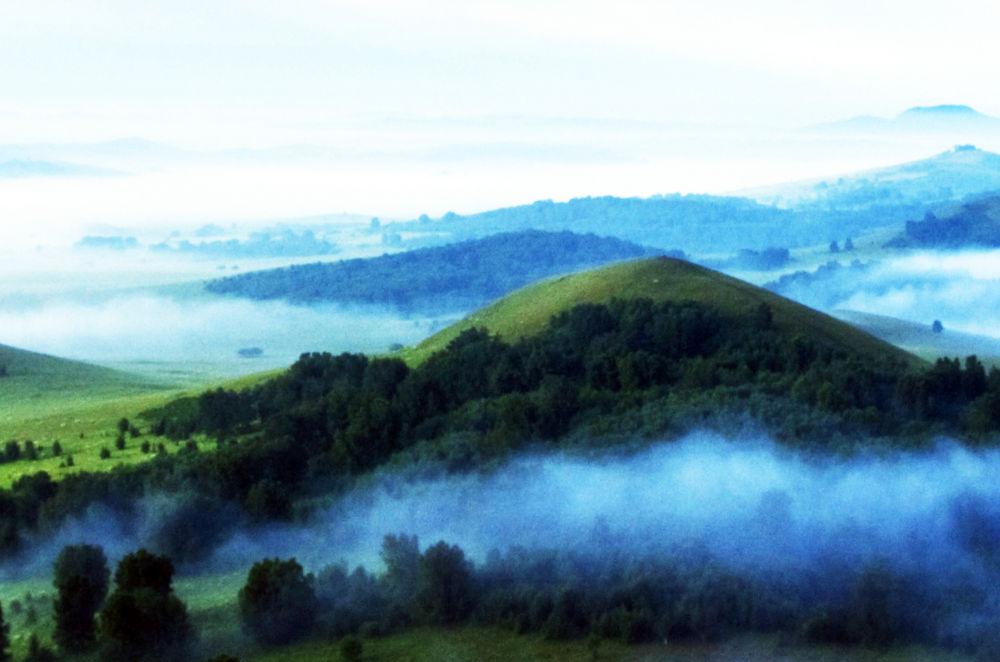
(351, 649)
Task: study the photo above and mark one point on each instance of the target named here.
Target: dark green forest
(458, 276)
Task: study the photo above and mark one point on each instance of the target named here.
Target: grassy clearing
(527, 311)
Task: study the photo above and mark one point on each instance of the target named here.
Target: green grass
(480, 644)
(527, 311)
(920, 340)
(211, 602)
(48, 399)
(37, 382)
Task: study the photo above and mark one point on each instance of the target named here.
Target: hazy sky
(259, 71)
(426, 107)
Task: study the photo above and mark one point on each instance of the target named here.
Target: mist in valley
(959, 288)
(768, 514)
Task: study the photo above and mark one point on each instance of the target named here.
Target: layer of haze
(257, 110)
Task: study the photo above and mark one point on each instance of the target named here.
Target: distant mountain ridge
(943, 117)
(951, 176)
(453, 277)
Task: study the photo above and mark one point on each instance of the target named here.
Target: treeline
(598, 374)
(616, 595)
(454, 277)
(602, 589)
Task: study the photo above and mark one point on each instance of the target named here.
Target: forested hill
(458, 276)
(973, 224)
(528, 311)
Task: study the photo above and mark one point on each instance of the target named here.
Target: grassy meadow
(48, 399)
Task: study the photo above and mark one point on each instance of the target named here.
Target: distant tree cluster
(973, 224)
(280, 243)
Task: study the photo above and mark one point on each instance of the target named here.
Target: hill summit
(528, 311)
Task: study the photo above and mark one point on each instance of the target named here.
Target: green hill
(921, 340)
(527, 311)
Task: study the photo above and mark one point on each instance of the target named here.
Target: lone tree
(143, 619)
(278, 603)
(937, 326)
(834, 246)
(81, 581)
(445, 596)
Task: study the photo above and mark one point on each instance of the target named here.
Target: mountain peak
(944, 110)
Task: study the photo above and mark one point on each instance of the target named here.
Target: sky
(256, 71)
(448, 105)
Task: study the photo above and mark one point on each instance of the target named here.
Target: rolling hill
(527, 311)
(921, 340)
(947, 177)
(459, 276)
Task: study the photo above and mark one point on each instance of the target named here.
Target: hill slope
(921, 340)
(527, 311)
(951, 176)
(458, 276)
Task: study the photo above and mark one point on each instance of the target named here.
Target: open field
(48, 399)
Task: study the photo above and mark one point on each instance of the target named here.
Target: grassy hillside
(921, 340)
(48, 399)
(35, 383)
(527, 311)
(940, 179)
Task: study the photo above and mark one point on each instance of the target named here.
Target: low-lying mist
(959, 288)
(748, 503)
(818, 542)
(137, 331)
